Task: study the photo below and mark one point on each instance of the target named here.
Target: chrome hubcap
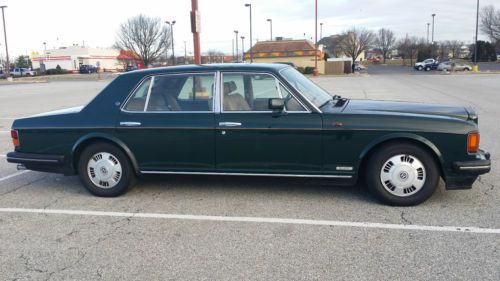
(403, 175)
(104, 170)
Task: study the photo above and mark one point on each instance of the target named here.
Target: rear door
(168, 123)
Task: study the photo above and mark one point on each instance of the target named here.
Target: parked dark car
(253, 120)
(131, 68)
(427, 65)
(87, 68)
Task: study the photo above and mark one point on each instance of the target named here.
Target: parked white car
(18, 72)
(426, 64)
(453, 66)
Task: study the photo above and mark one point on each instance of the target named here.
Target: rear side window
(137, 101)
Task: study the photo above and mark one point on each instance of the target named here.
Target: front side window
(251, 92)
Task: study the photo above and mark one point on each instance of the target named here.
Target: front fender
(82, 141)
(402, 136)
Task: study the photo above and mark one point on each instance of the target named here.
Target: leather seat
(234, 101)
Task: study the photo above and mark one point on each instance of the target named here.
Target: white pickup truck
(18, 72)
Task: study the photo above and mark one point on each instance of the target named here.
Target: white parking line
(4, 132)
(3, 156)
(468, 229)
(14, 175)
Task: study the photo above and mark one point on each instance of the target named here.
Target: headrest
(229, 87)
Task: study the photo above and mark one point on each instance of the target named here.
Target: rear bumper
(40, 162)
(466, 172)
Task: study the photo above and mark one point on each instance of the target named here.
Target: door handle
(130, 124)
(229, 124)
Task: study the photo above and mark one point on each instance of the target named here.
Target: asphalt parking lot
(239, 228)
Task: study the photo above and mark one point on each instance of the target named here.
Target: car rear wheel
(427, 68)
(419, 68)
(402, 174)
(105, 170)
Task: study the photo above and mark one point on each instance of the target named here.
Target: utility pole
(271, 27)
(185, 53)
(196, 29)
(316, 73)
(232, 41)
(475, 45)
(251, 41)
(433, 16)
(236, 40)
(7, 62)
(242, 48)
(428, 32)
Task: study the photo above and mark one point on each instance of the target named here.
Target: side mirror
(276, 104)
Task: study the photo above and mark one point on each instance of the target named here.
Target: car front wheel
(105, 170)
(402, 174)
(419, 68)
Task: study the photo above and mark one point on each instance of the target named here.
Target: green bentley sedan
(252, 120)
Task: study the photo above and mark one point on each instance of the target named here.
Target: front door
(250, 138)
(168, 123)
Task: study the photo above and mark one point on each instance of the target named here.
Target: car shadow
(234, 185)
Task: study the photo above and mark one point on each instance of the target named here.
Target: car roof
(273, 67)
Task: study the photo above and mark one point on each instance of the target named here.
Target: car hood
(398, 107)
(60, 111)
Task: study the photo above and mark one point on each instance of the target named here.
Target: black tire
(127, 175)
(427, 68)
(374, 172)
(419, 68)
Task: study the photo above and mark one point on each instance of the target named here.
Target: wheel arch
(95, 137)
(400, 137)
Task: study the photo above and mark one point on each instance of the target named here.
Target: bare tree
(455, 48)
(215, 56)
(490, 22)
(385, 41)
(355, 42)
(408, 48)
(145, 36)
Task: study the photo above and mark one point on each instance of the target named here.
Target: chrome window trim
(251, 111)
(302, 95)
(149, 93)
(122, 108)
(246, 174)
(216, 104)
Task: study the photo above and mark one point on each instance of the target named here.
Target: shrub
(309, 70)
(57, 70)
(300, 69)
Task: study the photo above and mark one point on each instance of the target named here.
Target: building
(70, 58)
(302, 53)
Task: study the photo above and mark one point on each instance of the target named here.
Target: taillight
(15, 137)
(473, 142)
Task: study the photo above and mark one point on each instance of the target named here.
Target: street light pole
(320, 30)
(271, 28)
(433, 16)
(475, 47)
(251, 42)
(172, 38)
(236, 40)
(316, 38)
(428, 32)
(7, 70)
(242, 48)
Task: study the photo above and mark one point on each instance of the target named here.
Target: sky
(95, 22)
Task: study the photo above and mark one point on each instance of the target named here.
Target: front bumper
(40, 162)
(466, 172)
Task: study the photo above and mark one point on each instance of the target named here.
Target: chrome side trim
(475, 167)
(246, 174)
(230, 124)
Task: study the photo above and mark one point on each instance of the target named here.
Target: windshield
(306, 87)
